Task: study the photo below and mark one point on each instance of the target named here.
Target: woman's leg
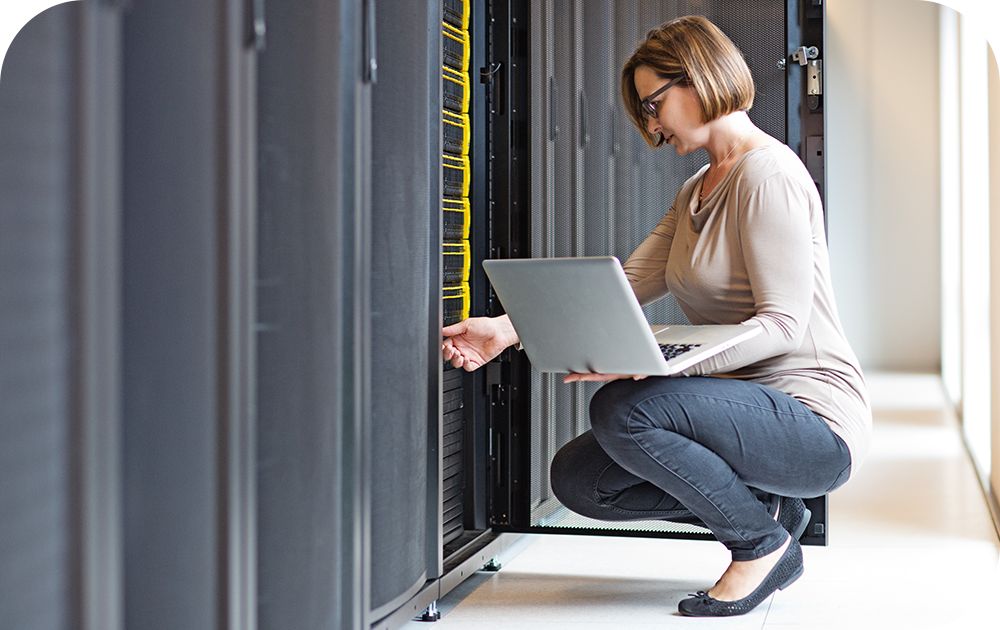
(587, 481)
(705, 441)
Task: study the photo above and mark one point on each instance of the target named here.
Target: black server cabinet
(312, 287)
(406, 523)
(60, 208)
(188, 219)
(572, 178)
(125, 318)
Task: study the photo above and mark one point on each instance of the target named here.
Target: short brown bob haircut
(692, 47)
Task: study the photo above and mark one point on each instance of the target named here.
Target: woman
(738, 440)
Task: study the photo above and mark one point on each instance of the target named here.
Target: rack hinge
(814, 77)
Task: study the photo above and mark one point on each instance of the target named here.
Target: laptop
(580, 315)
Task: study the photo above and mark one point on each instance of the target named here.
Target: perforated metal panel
(407, 440)
(310, 202)
(598, 189)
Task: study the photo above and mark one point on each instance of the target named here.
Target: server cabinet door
(596, 189)
(312, 273)
(60, 509)
(406, 440)
(187, 345)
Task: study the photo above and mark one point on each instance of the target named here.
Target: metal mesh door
(597, 187)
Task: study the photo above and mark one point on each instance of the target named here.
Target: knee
(608, 410)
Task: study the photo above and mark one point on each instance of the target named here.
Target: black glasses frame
(648, 107)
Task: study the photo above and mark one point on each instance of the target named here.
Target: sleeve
(646, 267)
(775, 233)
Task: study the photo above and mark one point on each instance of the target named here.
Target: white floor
(912, 546)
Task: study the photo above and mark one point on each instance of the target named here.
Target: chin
(679, 147)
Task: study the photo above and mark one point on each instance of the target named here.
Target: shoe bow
(702, 595)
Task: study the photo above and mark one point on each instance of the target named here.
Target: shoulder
(772, 166)
(774, 179)
(775, 189)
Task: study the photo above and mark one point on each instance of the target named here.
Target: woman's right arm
(645, 268)
(473, 342)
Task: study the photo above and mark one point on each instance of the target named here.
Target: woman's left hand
(573, 377)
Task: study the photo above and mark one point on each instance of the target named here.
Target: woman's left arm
(776, 237)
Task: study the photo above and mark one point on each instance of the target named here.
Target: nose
(653, 125)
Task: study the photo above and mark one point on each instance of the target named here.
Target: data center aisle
(912, 546)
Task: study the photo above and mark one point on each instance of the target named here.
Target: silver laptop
(580, 315)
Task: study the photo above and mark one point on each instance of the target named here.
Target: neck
(725, 133)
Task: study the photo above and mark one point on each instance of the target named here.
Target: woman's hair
(692, 47)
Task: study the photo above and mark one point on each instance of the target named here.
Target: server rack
(456, 211)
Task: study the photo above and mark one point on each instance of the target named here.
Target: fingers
(469, 365)
(600, 378)
(597, 378)
(455, 329)
(450, 353)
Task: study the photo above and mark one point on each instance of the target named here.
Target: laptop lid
(580, 315)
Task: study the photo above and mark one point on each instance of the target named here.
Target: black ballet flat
(788, 569)
(794, 516)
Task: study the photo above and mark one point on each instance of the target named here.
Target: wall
(883, 178)
(974, 246)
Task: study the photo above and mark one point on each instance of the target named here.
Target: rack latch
(808, 58)
(804, 54)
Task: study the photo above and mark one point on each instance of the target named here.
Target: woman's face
(678, 112)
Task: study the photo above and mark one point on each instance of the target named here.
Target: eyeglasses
(651, 109)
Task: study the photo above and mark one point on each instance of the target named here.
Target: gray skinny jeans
(711, 450)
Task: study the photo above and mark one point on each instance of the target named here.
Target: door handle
(370, 55)
(256, 26)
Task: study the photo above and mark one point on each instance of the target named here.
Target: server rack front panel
(466, 104)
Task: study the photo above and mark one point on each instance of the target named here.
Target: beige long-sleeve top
(755, 253)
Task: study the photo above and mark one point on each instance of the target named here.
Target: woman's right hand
(473, 342)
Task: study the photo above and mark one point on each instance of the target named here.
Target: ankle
(777, 551)
(786, 540)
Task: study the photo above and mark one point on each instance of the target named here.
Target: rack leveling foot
(431, 613)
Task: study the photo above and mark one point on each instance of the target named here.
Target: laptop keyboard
(671, 350)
